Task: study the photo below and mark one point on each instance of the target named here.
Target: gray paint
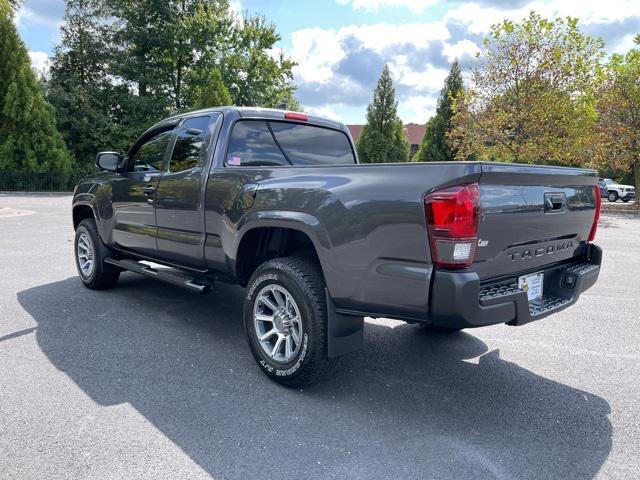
(366, 221)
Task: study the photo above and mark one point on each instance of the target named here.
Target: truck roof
(254, 113)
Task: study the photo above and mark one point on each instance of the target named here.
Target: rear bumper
(459, 300)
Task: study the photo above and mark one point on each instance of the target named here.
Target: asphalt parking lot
(149, 381)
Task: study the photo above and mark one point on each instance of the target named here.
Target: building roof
(355, 131)
(414, 132)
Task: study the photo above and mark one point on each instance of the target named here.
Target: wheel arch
(82, 211)
(267, 237)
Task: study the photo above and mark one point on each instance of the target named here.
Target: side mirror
(109, 161)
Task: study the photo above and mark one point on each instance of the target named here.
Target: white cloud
(40, 62)
(236, 6)
(48, 15)
(417, 109)
(324, 111)
(417, 6)
(463, 48)
(316, 50)
(338, 67)
(626, 44)
(480, 15)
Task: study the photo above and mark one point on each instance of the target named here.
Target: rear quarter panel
(366, 221)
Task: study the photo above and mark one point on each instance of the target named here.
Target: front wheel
(90, 253)
(613, 196)
(625, 200)
(285, 319)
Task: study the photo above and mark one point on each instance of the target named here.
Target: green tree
(531, 99)
(383, 138)
(78, 88)
(435, 145)
(214, 93)
(166, 49)
(254, 76)
(618, 139)
(29, 141)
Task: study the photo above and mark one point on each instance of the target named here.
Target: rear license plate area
(532, 284)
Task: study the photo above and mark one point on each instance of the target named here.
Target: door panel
(135, 226)
(178, 203)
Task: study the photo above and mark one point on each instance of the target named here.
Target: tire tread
(308, 275)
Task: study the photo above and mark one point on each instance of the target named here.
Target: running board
(172, 276)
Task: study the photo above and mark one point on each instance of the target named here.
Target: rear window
(257, 143)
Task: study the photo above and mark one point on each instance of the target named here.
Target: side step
(169, 275)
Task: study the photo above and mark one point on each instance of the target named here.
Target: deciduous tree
(531, 99)
(168, 48)
(618, 138)
(383, 139)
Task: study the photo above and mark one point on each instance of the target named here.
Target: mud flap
(345, 332)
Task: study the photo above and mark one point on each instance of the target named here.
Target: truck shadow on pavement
(410, 405)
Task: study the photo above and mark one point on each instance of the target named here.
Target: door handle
(149, 190)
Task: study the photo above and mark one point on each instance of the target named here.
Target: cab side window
(188, 150)
(149, 157)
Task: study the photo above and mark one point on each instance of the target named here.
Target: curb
(40, 194)
(620, 209)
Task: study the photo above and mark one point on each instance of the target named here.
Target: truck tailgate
(532, 216)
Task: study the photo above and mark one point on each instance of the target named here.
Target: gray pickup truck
(276, 201)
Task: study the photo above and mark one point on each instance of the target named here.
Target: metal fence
(37, 182)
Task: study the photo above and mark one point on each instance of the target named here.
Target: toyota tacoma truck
(276, 202)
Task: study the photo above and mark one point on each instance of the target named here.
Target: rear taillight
(596, 216)
(452, 223)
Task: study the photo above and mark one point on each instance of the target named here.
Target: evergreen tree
(435, 146)
(29, 141)
(78, 88)
(383, 138)
(214, 93)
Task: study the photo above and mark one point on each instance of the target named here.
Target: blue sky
(341, 45)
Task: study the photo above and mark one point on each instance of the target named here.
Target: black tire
(625, 200)
(103, 275)
(303, 280)
(612, 196)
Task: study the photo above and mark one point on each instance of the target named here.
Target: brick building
(413, 131)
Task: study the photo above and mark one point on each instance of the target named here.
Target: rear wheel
(90, 253)
(613, 196)
(285, 318)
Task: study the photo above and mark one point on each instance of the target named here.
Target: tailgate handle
(555, 202)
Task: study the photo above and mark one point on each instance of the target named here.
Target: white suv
(614, 191)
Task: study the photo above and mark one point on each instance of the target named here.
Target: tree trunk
(636, 176)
